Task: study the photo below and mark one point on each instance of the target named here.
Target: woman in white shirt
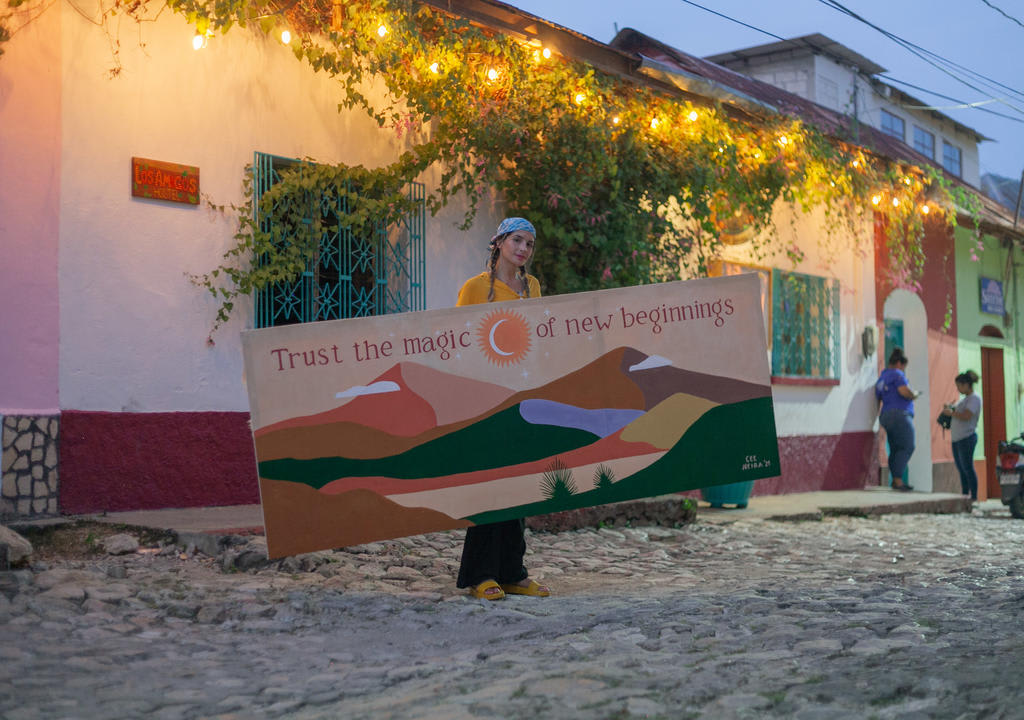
(963, 429)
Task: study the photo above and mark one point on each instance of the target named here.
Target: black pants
(493, 552)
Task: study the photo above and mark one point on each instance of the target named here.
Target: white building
(824, 71)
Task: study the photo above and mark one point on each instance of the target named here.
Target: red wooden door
(993, 414)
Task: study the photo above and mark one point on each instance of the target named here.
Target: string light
(382, 30)
(925, 209)
(783, 141)
(856, 163)
(580, 97)
(435, 68)
(616, 120)
(895, 202)
(654, 123)
(286, 36)
(692, 116)
(198, 42)
(492, 74)
(875, 199)
(546, 53)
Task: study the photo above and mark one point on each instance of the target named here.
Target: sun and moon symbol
(504, 337)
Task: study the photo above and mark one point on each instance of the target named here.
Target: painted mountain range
(439, 450)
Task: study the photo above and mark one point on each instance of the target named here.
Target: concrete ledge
(936, 506)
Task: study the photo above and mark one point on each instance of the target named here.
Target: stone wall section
(29, 466)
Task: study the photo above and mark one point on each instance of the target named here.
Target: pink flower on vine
(553, 199)
(607, 274)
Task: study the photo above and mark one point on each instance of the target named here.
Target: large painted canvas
(374, 428)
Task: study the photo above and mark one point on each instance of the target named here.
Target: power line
(1003, 13)
(973, 106)
(732, 19)
(921, 53)
(890, 79)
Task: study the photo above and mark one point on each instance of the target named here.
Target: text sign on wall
(373, 428)
(992, 296)
(158, 180)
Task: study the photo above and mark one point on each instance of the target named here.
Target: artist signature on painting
(752, 462)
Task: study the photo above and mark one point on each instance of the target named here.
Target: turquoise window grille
(349, 276)
(805, 326)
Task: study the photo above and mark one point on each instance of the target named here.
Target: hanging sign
(373, 428)
(992, 297)
(158, 180)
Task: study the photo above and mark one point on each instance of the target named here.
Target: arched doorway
(906, 309)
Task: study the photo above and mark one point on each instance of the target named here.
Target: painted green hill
(712, 452)
(499, 440)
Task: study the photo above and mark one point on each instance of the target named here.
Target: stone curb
(670, 511)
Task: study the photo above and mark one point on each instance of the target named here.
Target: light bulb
(654, 123)
(616, 120)
(546, 52)
(198, 42)
(286, 37)
(492, 74)
(895, 202)
(783, 140)
(580, 97)
(434, 68)
(875, 199)
(925, 209)
(692, 117)
(382, 30)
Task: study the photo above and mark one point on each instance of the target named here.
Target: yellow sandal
(535, 589)
(481, 591)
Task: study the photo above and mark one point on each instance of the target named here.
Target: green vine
(625, 184)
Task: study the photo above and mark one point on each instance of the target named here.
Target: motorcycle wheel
(1017, 507)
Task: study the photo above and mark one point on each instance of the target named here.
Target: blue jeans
(899, 427)
(963, 456)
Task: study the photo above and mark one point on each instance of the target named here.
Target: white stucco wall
(849, 406)
(133, 327)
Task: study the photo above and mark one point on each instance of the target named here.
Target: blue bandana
(512, 224)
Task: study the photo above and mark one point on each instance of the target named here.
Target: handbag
(945, 421)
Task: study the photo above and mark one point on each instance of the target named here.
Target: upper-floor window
(924, 142)
(952, 158)
(893, 125)
(375, 271)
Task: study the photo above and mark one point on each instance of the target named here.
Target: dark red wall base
(144, 461)
(824, 462)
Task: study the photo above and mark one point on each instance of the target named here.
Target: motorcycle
(1010, 472)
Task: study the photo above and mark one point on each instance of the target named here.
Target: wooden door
(993, 414)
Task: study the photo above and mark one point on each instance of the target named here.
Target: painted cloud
(384, 386)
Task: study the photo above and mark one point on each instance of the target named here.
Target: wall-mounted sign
(158, 180)
(992, 296)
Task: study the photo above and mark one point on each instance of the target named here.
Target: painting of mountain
(341, 520)
(542, 418)
(622, 379)
(535, 428)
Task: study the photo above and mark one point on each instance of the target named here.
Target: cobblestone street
(903, 616)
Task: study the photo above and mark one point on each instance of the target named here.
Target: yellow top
(475, 290)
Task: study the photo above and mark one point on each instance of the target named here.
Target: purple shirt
(887, 392)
